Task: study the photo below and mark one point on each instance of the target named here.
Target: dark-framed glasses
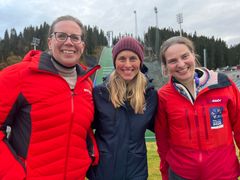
(62, 37)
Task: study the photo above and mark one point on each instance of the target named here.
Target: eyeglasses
(62, 37)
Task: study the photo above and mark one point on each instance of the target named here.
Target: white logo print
(216, 100)
(87, 90)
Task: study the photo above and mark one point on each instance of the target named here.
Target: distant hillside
(154, 72)
(158, 80)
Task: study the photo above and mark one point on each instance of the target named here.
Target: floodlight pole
(157, 33)
(157, 38)
(180, 21)
(136, 30)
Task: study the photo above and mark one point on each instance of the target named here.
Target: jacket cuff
(92, 147)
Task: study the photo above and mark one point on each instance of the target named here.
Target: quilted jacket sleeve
(92, 147)
(11, 167)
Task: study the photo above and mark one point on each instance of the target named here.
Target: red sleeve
(92, 147)
(161, 133)
(10, 167)
(234, 112)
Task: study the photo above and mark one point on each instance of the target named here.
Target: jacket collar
(41, 61)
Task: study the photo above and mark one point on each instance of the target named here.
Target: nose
(128, 62)
(68, 40)
(180, 63)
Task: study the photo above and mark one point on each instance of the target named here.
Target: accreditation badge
(216, 117)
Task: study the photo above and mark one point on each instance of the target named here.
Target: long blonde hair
(133, 91)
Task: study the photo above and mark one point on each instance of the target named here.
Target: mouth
(68, 51)
(127, 71)
(183, 71)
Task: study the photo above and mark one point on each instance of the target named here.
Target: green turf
(153, 162)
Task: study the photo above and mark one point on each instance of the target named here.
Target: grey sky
(218, 18)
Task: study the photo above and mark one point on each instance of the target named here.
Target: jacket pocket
(137, 165)
(11, 166)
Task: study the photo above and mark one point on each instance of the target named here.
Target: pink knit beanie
(128, 43)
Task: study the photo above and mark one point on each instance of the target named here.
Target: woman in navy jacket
(125, 107)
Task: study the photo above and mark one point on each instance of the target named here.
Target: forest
(14, 46)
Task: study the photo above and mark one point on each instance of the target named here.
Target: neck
(190, 86)
(58, 63)
(69, 74)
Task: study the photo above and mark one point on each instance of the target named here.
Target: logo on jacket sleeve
(88, 91)
(216, 118)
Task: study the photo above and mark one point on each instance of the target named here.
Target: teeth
(182, 71)
(127, 69)
(68, 52)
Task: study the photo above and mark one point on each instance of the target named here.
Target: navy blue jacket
(120, 135)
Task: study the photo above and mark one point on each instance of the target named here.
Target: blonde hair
(133, 91)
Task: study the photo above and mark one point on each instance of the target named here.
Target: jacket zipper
(198, 136)
(189, 125)
(69, 133)
(205, 122)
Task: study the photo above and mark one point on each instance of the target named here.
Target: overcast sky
(218, 18)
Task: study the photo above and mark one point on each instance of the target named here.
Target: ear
(164, 70)
(49, 41)
(82, 47)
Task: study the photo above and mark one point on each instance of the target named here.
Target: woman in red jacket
(198, 118)
(46, 101)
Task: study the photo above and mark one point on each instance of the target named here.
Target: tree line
(218, 54)
(14, 46)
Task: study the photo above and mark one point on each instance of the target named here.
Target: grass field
(153, 162)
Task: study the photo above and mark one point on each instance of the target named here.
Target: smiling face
(66, 52)
(180, 63)
(127, 64)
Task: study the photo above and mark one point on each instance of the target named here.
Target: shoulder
(151, 92)
(223, 79)
(100, 91)
(166, 88)
(99, 87)
(218, 80)
(14, 70)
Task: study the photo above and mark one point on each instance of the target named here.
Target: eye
(121, 58)
(171, 61)
(185, 56)
(133, 58)
(75, 38)
(61, 36)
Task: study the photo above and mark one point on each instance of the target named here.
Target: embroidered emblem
(216, 118)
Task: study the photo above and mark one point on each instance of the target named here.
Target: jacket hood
(32, 55)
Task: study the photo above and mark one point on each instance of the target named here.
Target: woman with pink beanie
(125, 107)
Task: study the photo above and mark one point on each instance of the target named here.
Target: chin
(128, 79)
(70, 63)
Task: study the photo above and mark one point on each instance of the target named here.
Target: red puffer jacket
(50, 123)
